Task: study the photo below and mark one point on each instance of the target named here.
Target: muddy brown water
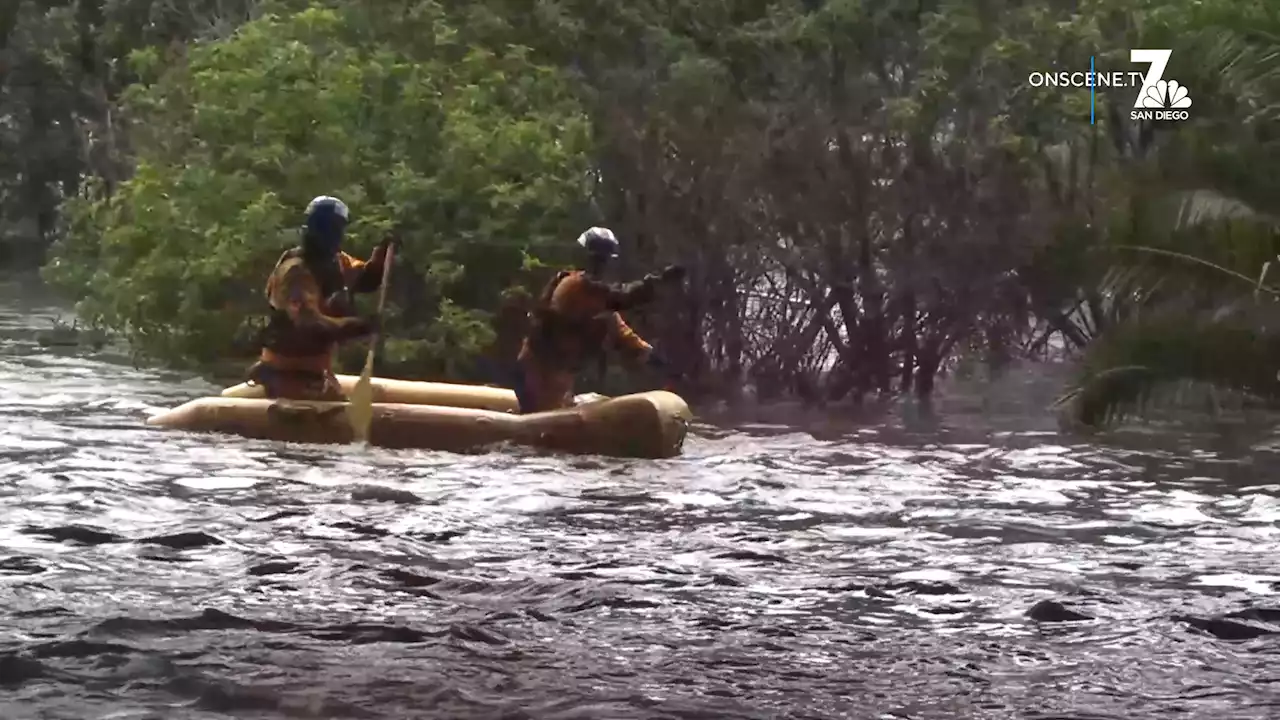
(982, 567)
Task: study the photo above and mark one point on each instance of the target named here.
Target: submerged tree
(862, 192)
(475, 157)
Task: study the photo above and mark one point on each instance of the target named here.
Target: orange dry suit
(310, 315)
(573, 320)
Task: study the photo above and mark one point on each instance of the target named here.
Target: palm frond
(1246, 67)
(1197, 207)
(1150, 286)
(1147, 360)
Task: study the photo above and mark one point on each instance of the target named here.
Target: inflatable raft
(446, 416)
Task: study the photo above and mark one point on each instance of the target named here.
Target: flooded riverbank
(986, 568)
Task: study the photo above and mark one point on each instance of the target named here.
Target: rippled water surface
(986, 569)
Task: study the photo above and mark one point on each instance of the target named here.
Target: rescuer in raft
(309, 292)
(573, 319)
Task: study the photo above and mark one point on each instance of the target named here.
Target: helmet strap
(597, 264)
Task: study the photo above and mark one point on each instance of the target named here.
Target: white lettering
(1079, 79)
(1112, 79)
(1086, 79)
(1164, 115)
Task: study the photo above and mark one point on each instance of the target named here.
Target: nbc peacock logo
(1166, 95)
(1158, 99)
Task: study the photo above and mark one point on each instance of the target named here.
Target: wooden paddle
(360, 403)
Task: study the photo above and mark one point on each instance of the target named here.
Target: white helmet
(599, 241)
(334, 205)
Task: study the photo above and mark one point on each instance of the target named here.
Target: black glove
(672, 273)
(391, 241)
(354, 327)
(659, 363)
(366, 325)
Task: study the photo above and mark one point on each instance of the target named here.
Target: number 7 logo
(1155, 91)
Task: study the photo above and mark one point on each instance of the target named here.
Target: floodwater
(988, 568)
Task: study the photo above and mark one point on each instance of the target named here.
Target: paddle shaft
(360, 406)
(382, 297)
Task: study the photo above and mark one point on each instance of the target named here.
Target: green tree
(63, 65)
(863, 192)
(476, 157)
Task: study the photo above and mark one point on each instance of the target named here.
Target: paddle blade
(360, 403)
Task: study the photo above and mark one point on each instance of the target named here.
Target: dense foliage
(862, 191)
(474, 158)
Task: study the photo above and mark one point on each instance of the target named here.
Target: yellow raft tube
(446, 416)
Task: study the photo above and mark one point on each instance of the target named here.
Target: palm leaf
(1198, 207)
(1148, 361)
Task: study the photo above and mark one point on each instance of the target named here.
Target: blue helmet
(599, 242)
(327, 219)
